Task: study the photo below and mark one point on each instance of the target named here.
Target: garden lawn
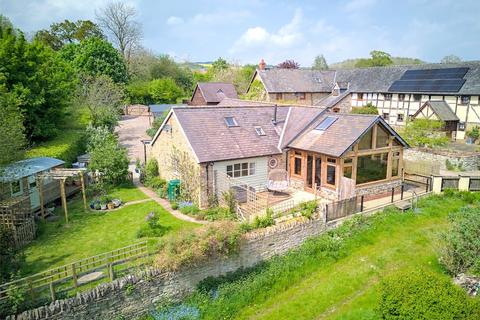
(90, 233)
(343, 283)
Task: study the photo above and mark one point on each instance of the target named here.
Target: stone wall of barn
(468, 161)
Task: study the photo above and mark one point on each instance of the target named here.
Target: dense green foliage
(11, 128)
(256, 91)
(367, 109)
(461, 251)
(424, 133)
(9, 255)
(41, 82)
(107, 156)
(164, 90)
(422, 294)
(66, 146)
(189, 247)
(397, 61)
(67, 31)
(104, 99)
(377, 59)
(95, 57)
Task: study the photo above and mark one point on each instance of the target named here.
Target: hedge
(66, 146)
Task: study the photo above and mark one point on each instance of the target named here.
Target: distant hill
(397, 61)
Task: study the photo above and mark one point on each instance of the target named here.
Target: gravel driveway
(131, 130)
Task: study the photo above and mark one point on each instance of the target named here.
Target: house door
(318, 171)
(314, 172)
(33, 191)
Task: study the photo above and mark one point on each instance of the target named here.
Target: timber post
(82, 180)
(40, 193)
(64, 198)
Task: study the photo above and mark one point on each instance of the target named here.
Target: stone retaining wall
(469, 161)
(131, 296)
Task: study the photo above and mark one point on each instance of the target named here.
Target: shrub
(367, 109)
(230, 200)
(67, 146)
(307, 209)
(461, 251)
(151, 169)
(174, 205)
(190, 210)
(424, 295)
(259, 222)
(152, 228)
(192, 246)
(155, 182)
(474, 133)
(216, 213)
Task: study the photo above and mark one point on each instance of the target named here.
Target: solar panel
(326, 123)
(430, 80)
(445, 73)
(439, 85)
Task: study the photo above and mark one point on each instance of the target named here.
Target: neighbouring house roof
(212, 140)
(375, 79)
(340, 136)
(296, 80)
(28, 167)
(214, 92)
(231, 102)
(331, 100)
(441, 109)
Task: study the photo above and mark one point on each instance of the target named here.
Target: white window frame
(240, 169)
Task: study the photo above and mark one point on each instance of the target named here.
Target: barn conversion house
(330, 154)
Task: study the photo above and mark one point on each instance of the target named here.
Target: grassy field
(335, 276)
(90, 233)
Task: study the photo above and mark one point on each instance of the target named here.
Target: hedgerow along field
(335, 276)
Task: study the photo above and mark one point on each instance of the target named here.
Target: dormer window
(260, 131)
(231, 122)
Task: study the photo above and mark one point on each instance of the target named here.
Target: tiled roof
(297, 120)
(217, 91)
(230, 102)
(212, 140)
(340, 136)
(296, 80)
(441, 109)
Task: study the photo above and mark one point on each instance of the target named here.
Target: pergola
(61, 174)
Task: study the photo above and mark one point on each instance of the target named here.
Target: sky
(244, 31)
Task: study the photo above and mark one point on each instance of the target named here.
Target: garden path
(165, 204)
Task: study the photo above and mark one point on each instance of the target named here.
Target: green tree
(67, 31)
(377, 59)
(424, 133)
(95, 57)
(239, 76)
(104, 99)
(138, 92)
(320, 63)
(107, 156)
(13, 142)
(165, 67)
(41, 81)
(164, 90)
(219, 64)
(451, 59)
(256, 91)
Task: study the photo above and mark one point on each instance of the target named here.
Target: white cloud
(258, 37)
(173, 20)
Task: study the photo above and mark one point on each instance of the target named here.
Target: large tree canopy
(96, 57)
(12, 143)
(42, 83)
(377, 59)
(67, 31)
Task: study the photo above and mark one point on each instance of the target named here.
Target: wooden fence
(341, 209)
(65, 278)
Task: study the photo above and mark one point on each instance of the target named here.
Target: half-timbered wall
(396, 109)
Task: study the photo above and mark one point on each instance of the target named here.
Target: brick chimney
(262, 64)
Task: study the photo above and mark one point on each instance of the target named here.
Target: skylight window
(326, 123)
(260, 131)
(231, 122)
